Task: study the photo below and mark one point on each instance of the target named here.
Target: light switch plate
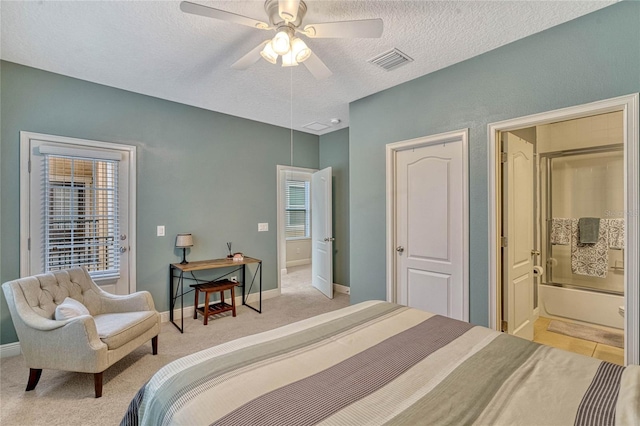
(160, 231)
(262, 227)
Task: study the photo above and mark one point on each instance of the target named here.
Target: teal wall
(210, 174)
(591, 58)
(334, 152)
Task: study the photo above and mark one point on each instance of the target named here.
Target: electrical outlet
(160, 230)
(234, 279)
(262, 227)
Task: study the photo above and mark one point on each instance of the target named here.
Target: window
(81, 214)
(297, 209)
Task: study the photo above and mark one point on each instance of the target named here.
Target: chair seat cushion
(119, 328)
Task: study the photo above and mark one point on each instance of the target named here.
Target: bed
(380, 363)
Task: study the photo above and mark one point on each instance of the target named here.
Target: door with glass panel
(79, 211)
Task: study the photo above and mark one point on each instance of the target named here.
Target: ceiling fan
(285, 17)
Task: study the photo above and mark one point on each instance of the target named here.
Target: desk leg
(253, 279)
(244, 283)
(172, 301)
(173, 296)
(260, 266)
(181, 301)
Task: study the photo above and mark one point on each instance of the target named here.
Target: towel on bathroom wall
(616, 233)
(590, 259)
(560, 231)
(589, 230)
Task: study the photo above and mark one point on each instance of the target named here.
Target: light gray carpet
(296, 279)
(64, 398)
(584, 332)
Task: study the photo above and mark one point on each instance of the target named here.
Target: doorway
(305, 241)
(587, 171)
(77, 200)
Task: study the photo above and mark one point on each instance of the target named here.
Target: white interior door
(322, 232)
(431, 228)
(517, 210)
(78, 214)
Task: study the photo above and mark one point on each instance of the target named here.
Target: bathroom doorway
(555, 178)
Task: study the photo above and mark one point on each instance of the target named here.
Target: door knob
(399, 249)
(329, 239)
(122, 249)
(535, 253)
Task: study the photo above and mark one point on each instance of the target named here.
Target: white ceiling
(151, 47)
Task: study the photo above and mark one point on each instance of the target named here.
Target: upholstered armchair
(103, 330)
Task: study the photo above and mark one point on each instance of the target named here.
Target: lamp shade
(299, 50)
(268, 53)
(184, 240)
(281, 43)
(288, 60)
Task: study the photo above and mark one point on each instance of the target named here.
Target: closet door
(431, 228)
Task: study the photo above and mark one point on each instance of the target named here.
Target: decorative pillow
(70, 308)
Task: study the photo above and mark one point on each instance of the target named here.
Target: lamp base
(184, 257)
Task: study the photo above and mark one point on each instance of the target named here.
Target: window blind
(81, 214)
(297, 212)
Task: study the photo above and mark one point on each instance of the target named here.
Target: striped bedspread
(377, 363)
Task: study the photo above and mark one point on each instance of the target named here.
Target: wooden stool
(215, 308)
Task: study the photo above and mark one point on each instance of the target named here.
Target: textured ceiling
(151, 47)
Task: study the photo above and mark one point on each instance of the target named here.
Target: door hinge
(29, 166)
(503, 241)
(503, 157)
(504, 327)
(28, 243)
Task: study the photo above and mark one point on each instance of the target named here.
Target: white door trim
(629, 106)
(391, 152)
(281, 240)
(25, 143)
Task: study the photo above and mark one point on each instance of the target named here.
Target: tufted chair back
(43, 293)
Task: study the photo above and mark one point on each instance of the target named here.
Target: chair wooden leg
(206, 307)
(34, 377)
(154, 345)
(97, 382)
(233, 301)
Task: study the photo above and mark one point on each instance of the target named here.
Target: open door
(321, 232)
(517, 251)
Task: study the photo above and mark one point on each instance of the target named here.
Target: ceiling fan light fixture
(269, 54)
(300, 50)
(281, 43)
(289, 60)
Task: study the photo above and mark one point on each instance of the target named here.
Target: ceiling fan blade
(210, 12)
(250, 58)
(317, 67)
(288, 9)
(366, 28)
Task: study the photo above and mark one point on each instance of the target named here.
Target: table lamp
(183, 241)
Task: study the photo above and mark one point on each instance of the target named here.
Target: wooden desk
(179, 272)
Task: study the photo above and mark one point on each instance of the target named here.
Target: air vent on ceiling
(391, 60)
(315, 126)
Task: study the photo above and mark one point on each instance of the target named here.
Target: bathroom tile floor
(573, 344)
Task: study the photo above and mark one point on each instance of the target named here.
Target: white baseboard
(299, 262)
(253, 298)
(10, 349)
(339, 288)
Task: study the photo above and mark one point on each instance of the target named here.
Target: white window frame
(25, 155)
(307, 209)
